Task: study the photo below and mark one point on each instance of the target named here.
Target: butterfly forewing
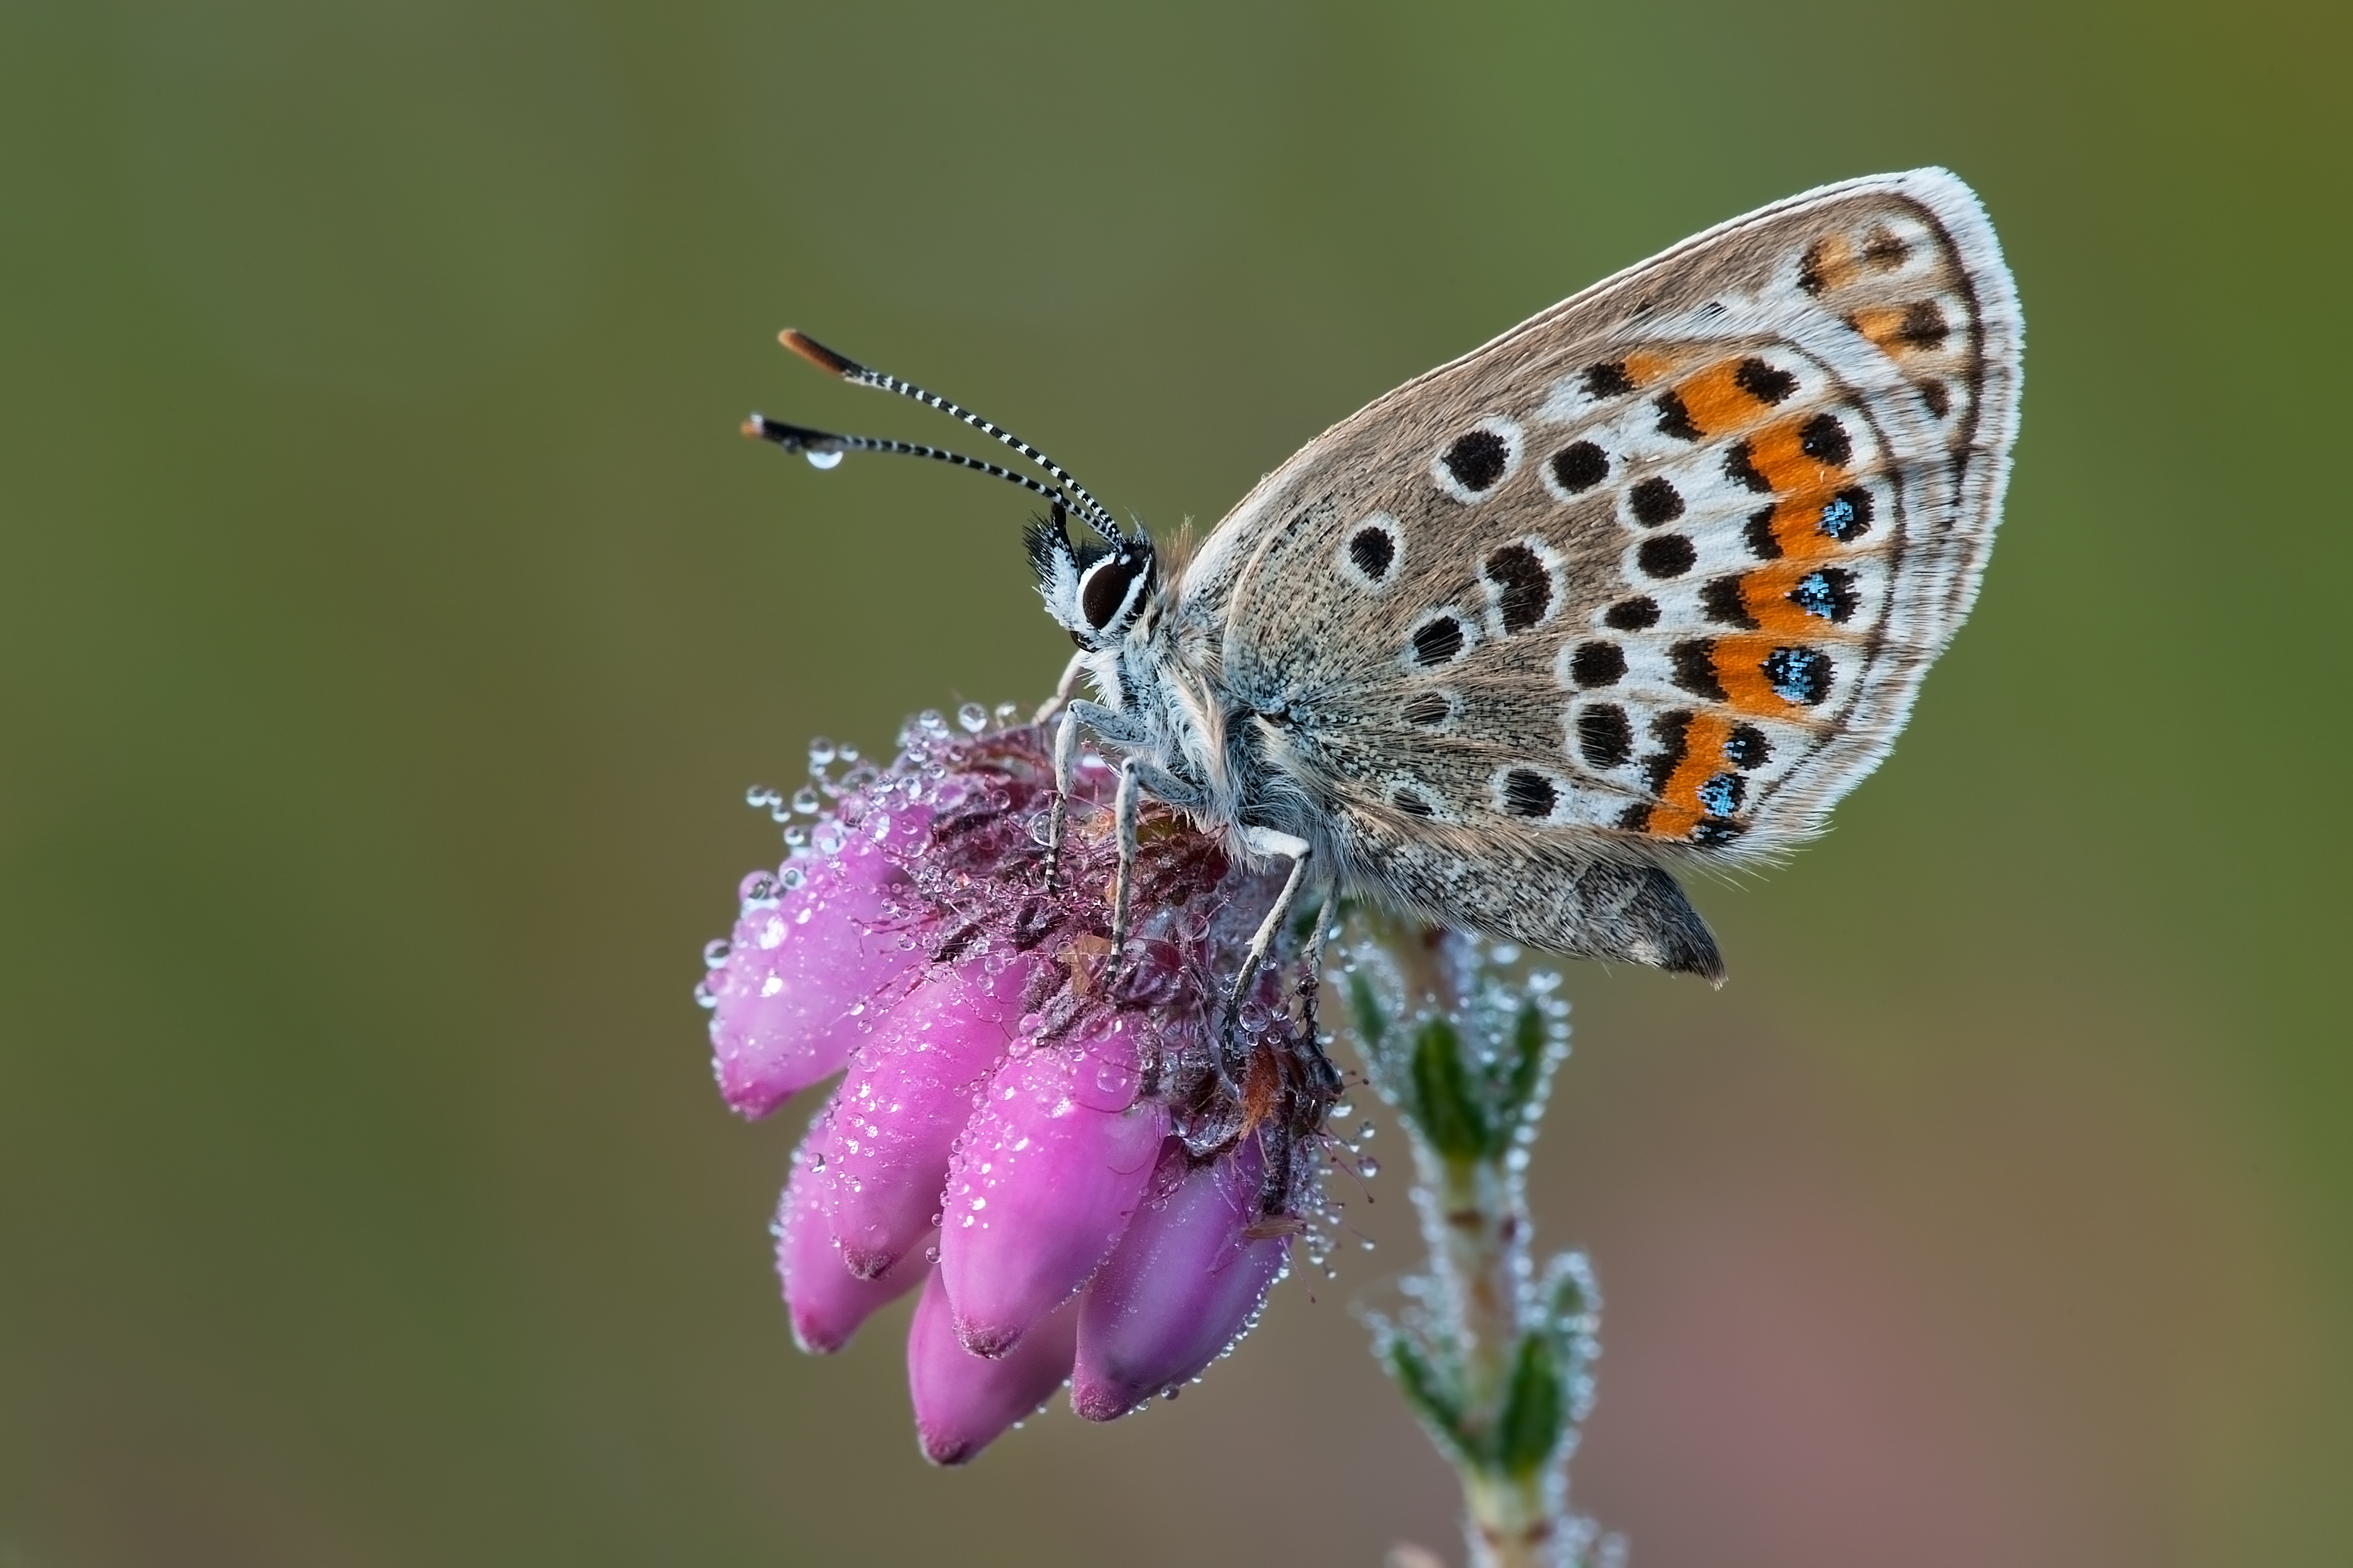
(1656, 574)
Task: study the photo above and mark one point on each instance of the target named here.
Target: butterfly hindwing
(1654, 575)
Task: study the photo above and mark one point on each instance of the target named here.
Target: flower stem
(1493, 1359)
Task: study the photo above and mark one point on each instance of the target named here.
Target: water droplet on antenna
(817, 460)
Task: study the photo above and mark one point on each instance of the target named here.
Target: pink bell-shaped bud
(805, 970)
(1045, 1177)
(826, 1301)
(963, 1401)
(911, 1088)
(1187, 1279)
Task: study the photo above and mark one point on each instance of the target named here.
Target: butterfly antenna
(823, 448)
(1097, 516)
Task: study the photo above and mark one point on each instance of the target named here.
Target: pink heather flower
(1052, 1166)
(826, 1301)
(962, 1400)
(1065, 1154)
(1189, 1276)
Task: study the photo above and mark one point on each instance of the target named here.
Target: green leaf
(1569, 1301)
(1445, 1105)
(1527, 1056)
(1535, 1409)
(1429, 1392)
(1364, 1011)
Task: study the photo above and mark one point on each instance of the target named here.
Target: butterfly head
(1095, 592)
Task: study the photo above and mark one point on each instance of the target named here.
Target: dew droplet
(714, 952)
(1369, 1166)
(805, 800)
(817, 460)
(821, 755)
(1364, 1131)
(972, 718)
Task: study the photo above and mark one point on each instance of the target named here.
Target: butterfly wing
(1651, 579)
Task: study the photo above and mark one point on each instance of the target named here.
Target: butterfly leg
(1122, 886)
(1137, 776)
(1110, 724)
(1265, 841)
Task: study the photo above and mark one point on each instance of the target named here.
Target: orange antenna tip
(816, 352)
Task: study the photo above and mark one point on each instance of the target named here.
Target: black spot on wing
(1747, 747)
(1759, 533)
(1578, 467)
(1740, 466)
(1609, 380)
(1828, 593)
(1477, 459)
(1924, 325)
(1763, 382)
(1721, 794)
(1721, 602)
(1655, 502)
(1523, 588)
(1666, 555)
(1437, 641)
(1634, 615)
(1799, 675)
(1824, 440)
(1846, 516)
(1671, 731)
(1596, 664)
(1373, 551)
(1527, 793)
(1605, 737)
(1674, 417)
(1693, 662)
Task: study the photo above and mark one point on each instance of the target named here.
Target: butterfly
(1646, 584)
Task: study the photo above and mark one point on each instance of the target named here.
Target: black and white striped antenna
(817, 444)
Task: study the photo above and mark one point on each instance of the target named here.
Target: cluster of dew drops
(818, 817)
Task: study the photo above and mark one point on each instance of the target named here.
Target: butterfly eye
(1105, 588)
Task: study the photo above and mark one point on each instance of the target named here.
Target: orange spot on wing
(1765, 595)
(1796, 524)
(1775, 452)
(1915, 328)
(1802, 485)
(1679, 811)
(1717, 402)
(1643, 368)
(1830, 264)
(1740, 669)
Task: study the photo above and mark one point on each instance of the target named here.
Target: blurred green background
(391, 621)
